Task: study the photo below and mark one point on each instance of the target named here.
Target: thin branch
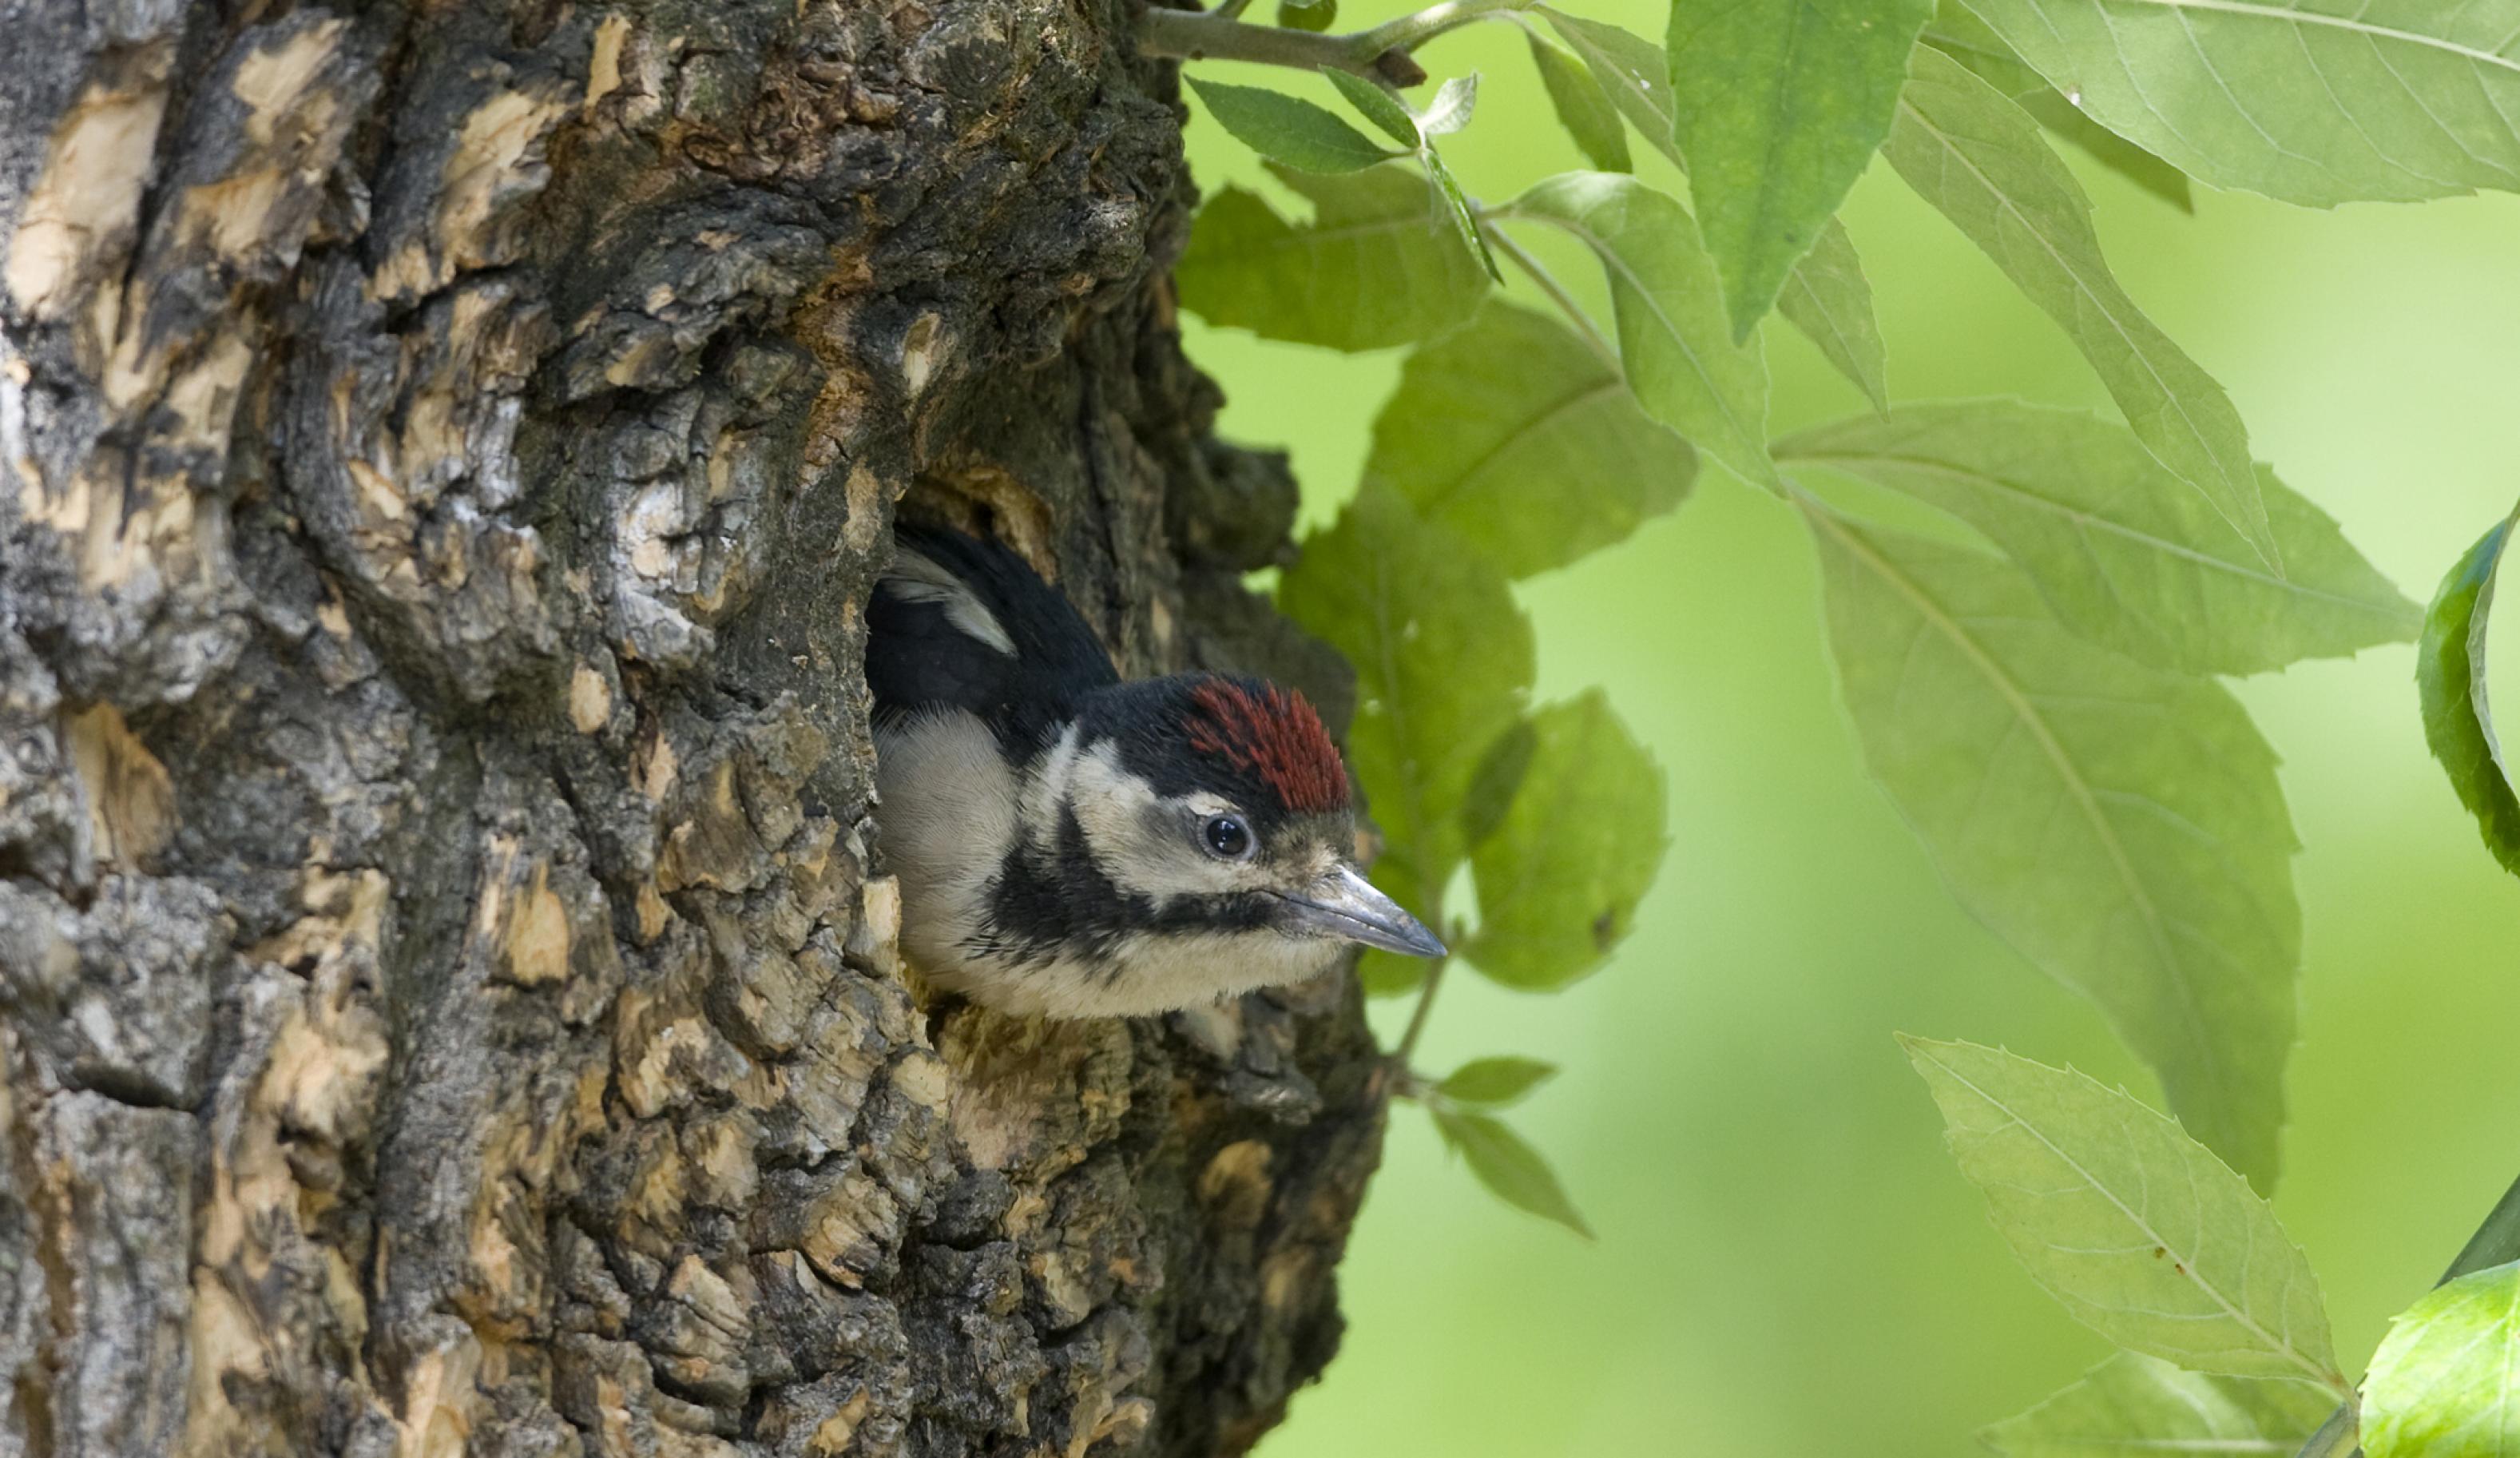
(1193, 36)
(1557, 292)
(1418, 1018)
(1380, 54)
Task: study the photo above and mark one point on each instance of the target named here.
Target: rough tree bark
(448, 999)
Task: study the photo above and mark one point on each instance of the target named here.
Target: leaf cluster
(2035, 679)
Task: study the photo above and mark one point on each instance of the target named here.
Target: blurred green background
(1788, 1262)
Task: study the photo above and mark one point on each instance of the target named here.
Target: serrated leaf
(2441, 1383)
(2132, 1404)
(1969, 41)
(1560, 878)
(2125, 554)
(1980, 159)
(1630, 70)
(1307, 15)
(2134, 1227)
(1376, 267)
(1828, 297)
(2318, 103)
(1583, 107)
(1780, 104)
(2120, 826)
(1451, 110)
(1443, 660)
(1513, 434)
(1495, 1082)
(1456, 206)
(1376, 103)
(1289, 129)
(1512, 1170)
(2449, 675)
(1677, 347)
(1825, 295)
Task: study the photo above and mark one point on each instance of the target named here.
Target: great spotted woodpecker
(1074, 846)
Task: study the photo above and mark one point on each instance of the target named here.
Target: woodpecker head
(1074, 844)
(1220, 808)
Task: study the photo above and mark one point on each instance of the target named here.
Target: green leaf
(1958, 33)
(1376, 103)
(2135, 1228)
(1780, 106)
(1307, 15)
(2120, 826)
(1451, 110)
(1457, 206)
(1443, 658)
(1679, 353)
(1561, 877)
(1499, 776)
(1583, 107)
(2108, 148)
(1967, 40)
(1511, 1168)
(2458, 720)
(2318, 102)
(2125, 554)
(1371, 269)
(1629, 69)
(1828, 297)
(1515, 435)
(1980, 159)
(2132, 1404)
(1496, 1081)
(2441, 1383)
(1289, 129)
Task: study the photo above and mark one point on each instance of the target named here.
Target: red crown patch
(1273, 734)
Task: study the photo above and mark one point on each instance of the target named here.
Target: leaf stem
(1417, 1016)
(1379, 54)
(1557, 292)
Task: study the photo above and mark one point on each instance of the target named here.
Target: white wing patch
(916, 579)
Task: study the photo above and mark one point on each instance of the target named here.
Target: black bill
(1346, 905)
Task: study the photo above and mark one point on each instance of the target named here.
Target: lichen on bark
(448, 989)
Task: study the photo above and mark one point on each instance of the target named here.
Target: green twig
(1379, 54)
(1418, 1018)
(1557, 292)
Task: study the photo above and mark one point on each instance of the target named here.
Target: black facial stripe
(1230, 911)
(1045, 906)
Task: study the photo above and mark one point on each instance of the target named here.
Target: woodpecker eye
(1225, 837)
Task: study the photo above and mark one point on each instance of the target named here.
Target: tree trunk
(448, 995)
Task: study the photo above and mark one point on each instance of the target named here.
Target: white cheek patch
(1049, 787)
(1137, 837)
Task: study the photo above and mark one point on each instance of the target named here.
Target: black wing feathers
(919, 655)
